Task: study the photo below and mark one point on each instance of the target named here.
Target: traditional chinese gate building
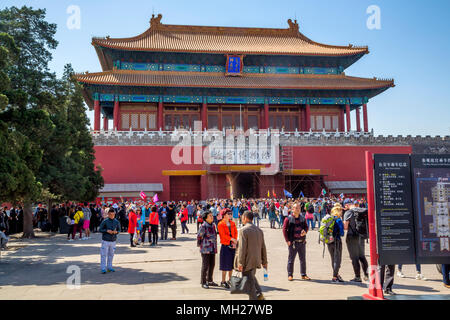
(250, 78)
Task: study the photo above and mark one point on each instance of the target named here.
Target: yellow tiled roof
(219, 80)
(182, 38)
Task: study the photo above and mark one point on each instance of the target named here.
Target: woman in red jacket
(183, 214)
(132, 224)
(154, 223)
(228, 238)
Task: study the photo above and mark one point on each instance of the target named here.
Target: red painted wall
(144, 164)
(340, 163)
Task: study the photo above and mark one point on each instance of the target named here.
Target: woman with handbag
(207, 241)
(228, 239)
(71, 222)
(132, 225)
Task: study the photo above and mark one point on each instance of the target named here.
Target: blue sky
(412, 45)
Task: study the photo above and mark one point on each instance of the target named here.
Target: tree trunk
(28, 231)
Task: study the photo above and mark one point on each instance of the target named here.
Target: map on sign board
(431, 176)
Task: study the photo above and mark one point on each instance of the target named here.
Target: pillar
(308, 117)
(160, 124)
(266, 115)
(341, 120)
(204, 115)
(116, 114)
(347, 114)
(96, 114)
(358, 124)
(366, 123)
(105, 123)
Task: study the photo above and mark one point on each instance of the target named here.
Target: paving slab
(37, 269)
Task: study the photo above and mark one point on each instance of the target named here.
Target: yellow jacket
(78, 215)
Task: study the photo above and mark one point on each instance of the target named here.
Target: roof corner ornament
(154, 22)
(293, 26)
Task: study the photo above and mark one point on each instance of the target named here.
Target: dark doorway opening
(244, 185)
(311, 186)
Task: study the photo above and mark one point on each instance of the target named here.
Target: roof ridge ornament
(155, 22)
(293, 26)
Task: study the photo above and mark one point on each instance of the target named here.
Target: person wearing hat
(355, 243)
(207, 242)
(335, 248)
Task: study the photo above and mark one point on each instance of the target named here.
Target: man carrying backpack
(355, 222)
(294, 231)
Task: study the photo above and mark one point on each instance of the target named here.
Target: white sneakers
(420, 276)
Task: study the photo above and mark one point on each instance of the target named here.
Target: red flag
(143, 196)
(274, 194)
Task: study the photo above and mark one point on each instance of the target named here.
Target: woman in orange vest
(228, 238)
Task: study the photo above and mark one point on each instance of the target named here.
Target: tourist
(87, 220)
(419, 275)
(3, 238)
(389, 281)
(172, 221)
(445, 273)
(228, 240)
(71, 222)
(162, 212)
(355, 243)
(183, 216)
(207, 241)
(335, 248)
(272, 215)
(78, 223)
(109, 228)
(154, 223)
(295, 229)
(251, 255)
(235, 211)
(285, 213)
(122, 215)
(146, 224)
(132, 225)
(255, 211)
(199, 214)
(310, 216)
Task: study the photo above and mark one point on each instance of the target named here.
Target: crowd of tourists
(242, 250)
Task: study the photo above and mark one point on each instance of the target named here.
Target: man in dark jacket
(162, 213)
(294, 231)
(109, 228)
(172, 221)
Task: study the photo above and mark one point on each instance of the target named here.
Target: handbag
(238, 285)
(68, 221)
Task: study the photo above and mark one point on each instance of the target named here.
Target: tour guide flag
(301, 193)
(274, 194)
(287, 194)
(155, 198)
(143, 196)
(324, 192)
(268, 194)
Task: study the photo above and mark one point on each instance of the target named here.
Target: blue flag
(324, 192)
(287, 194)
(301, 193)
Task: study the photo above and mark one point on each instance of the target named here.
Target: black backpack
(361, 221)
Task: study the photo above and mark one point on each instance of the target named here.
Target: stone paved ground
(36, 269)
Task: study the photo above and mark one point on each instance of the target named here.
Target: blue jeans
(107, 253)
(418, 268)
(317, 218)
(311, 223)
(445, 271)
(256, 221)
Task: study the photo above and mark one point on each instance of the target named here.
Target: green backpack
(326, 229)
